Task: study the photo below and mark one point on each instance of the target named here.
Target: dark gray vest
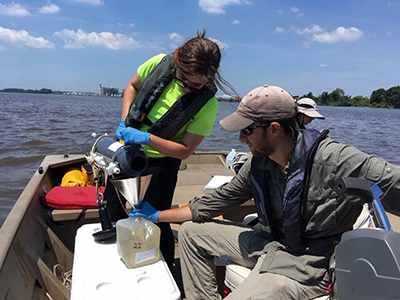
(180, 113)
(297, 183)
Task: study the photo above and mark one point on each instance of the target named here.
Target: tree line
(379, 98)
(16, 90)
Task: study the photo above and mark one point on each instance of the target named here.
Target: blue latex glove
(131, 135)
(145, 210)
(119, 129)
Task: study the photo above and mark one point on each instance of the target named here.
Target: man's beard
(264, 147)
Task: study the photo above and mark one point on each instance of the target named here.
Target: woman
(186, 82)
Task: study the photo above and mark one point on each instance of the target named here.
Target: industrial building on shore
(108, 91)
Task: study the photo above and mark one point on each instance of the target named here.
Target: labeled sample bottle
(138, 241)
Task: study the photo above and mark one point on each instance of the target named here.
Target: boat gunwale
(12, 223)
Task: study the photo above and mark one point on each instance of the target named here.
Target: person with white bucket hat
(307, 111)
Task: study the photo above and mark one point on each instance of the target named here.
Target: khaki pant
(199, 243)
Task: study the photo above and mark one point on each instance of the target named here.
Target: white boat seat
(364, 220)
(236, 274)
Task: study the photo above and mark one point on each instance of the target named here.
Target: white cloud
(80, 39)
(300, 31)
(322, 65)
(340, 34)
(313, 29)
(49, 9)
(14, 9)
(176, 37)
(317, 34)
(279, 30)
(130, 25)
(218, 6)
(92, 2)
(235, 22)
(220, 44)
(23, 39)
(296, 11)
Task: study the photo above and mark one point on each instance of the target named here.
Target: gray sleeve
(352, 162)
(326, 213)
(225, 197)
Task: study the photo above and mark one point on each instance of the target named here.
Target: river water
(34, 126)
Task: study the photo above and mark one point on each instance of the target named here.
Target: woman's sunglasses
(249, 130)
(180, 81)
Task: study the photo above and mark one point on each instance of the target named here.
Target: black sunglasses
(249, 130)
(183, 84)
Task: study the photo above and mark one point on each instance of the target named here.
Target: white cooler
(99, 273)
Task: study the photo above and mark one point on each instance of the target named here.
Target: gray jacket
(326, 216)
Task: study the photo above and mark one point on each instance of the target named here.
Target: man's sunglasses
(249, 130)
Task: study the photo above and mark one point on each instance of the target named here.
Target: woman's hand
(131, 135)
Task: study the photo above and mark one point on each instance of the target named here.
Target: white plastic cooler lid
(99, 273)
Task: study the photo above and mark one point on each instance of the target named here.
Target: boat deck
(195, 173)
(31, 243)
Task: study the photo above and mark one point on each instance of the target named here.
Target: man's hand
(145, 210)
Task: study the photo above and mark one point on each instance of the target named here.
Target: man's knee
(184, 230)
(266, 286)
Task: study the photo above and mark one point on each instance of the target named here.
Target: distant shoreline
(45, 91)
(380, 98)
(30, 91)
(49, 91)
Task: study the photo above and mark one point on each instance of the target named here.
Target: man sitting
(301, 218)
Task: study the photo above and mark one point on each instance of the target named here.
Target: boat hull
(34, 239)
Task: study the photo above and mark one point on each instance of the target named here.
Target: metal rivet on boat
(389, 170)
(40, 170)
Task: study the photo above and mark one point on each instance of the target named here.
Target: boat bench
(73, 214)
(66, 203)
(60, 215)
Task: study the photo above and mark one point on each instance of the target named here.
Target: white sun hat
(308, 107)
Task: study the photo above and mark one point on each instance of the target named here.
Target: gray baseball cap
(264, 104)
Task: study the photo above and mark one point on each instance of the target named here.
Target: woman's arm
(130, 93)
(181, 150)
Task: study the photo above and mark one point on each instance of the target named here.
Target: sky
(302, 46)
